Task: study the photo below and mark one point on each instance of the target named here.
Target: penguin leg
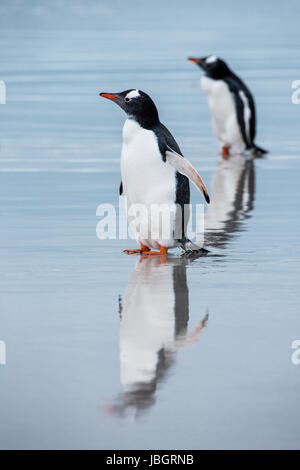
(225, 152)
(163, 251)
(139, 250)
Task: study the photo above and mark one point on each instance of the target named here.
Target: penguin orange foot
(163, 251)
(143, 249)
(225, 152)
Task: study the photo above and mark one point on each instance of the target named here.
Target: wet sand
(107, 351)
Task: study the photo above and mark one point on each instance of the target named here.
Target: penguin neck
(146, 121)
(220, 74)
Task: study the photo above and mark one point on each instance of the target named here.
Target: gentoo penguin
(233, 192)
(154, 318)
(154, 176)
(231, 105)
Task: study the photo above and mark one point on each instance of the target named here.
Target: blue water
(69, 302)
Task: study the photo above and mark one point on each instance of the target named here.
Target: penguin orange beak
(193, 59)
(109, 96)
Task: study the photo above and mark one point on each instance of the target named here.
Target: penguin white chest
(147, 179)
(223, 113)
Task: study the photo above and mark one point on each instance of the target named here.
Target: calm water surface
(107, 351)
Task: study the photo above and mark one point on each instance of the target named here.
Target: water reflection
(232, 200)
(154, 326)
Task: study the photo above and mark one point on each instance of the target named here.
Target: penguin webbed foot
(152, 253)
(162, 252)
(225, 152)
(133, 252)
(138, 251)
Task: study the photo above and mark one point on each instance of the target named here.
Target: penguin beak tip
(109, 96)
(193, 59)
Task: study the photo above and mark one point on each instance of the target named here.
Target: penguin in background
(154, 172)
(231, 106)
(233, 193)
(154, 318)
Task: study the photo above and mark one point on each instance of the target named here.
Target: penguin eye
(127, 99)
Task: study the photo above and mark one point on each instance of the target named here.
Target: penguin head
(213, 66)
(137, 105)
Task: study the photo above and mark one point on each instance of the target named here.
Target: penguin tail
(258, 151)
(188, 247)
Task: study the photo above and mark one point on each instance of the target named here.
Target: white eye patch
(132, 94)
(211, 59)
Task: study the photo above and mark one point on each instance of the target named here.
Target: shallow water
(105, 351)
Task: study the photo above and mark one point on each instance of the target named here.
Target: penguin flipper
(245, 109)
(121, 188)
(183, 166)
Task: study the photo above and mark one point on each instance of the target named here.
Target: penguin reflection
(232, 191)
(154, 321)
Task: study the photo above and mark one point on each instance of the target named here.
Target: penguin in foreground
(154, 173)
(231, 105)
